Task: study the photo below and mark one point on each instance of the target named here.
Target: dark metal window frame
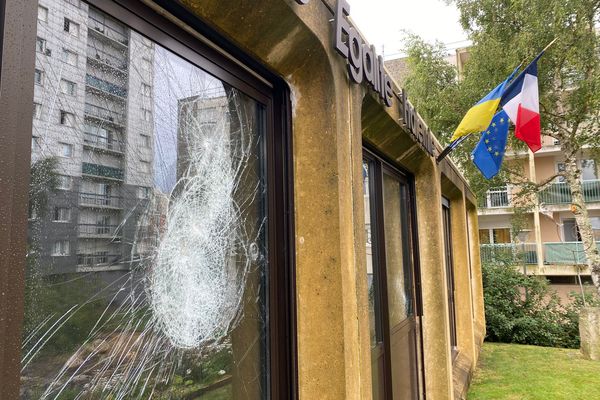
(450, 284)
(380, 164)
(218, 57)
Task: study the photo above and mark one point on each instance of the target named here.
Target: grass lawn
(515, 372)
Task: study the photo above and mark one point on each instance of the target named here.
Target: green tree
(44, 181)
(505, 33)
(433, 85)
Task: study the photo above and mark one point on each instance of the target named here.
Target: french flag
(521, 103)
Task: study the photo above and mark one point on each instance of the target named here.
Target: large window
(159, 246)
(393, 318)
(449, 263)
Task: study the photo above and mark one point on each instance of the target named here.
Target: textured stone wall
(331, 119)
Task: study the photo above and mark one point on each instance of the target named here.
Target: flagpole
(550, 44)
(450, 147)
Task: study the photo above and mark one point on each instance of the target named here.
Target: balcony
(105, 86)
(495, 198)
(554, 253)
(97, 230)
(509, 252)
(99, 200)
(571, 253)
(103, 31)
(102, 171)
(105, 115)
(98, 259)
(104, 58)
(560, 193)
(102, 142)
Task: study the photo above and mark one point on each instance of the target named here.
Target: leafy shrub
(524, 309)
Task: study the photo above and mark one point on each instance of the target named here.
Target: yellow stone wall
(330, 120)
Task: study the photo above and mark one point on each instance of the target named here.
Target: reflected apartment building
(93, 116)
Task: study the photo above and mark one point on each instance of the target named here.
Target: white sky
(381, 22)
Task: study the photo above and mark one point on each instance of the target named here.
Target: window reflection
(146, 255)
(371, 274)
(395, 225)
(374, 289)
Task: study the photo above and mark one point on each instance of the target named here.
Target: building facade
(92, 123)
(547, 242)
(297, 238)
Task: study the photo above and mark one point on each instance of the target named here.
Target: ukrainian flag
(478, 118)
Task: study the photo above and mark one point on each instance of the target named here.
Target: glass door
(391, 282)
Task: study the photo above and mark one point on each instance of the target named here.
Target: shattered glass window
(146, 241)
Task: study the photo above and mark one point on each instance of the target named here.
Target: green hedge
(524, 309)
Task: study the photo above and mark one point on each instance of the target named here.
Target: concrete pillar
(539, 248)
(476, 277)
(462, 278)
(436, 341)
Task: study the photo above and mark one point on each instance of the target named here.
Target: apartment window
(560, 167)
(67, 118)
(484, 236)
(61, 248)
(68, 87)
(571, 230)
(145, 167)
(501, 235)
(145, 140)
(70, 57)
(146, 64)
(588, 170)
(66, 150)
(64, 182)
(147, 114)
(143, 192)
(42, 14)
(40, 45)
(104, 189)
(37, 110)
(146, 90)
(71, 27)
(38, 77)
(62, 214)
(391, 275)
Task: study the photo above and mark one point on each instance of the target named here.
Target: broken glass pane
(146, 255)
